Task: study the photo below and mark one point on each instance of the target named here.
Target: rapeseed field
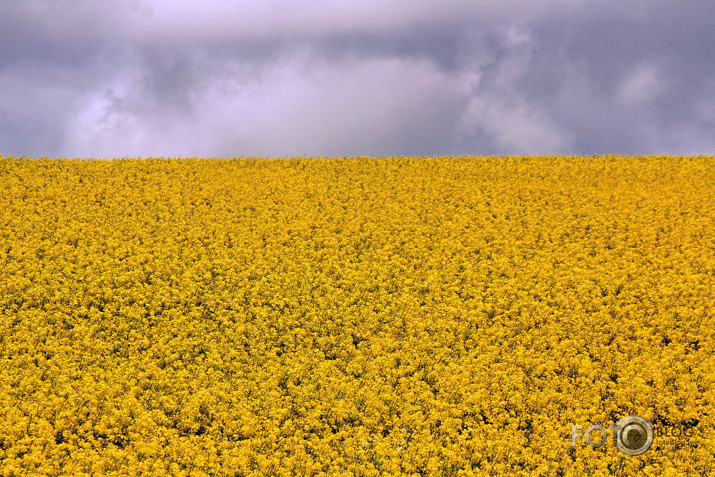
(442, 316)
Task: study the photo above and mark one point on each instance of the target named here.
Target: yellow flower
(354, 316)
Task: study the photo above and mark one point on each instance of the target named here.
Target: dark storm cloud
(141, 77)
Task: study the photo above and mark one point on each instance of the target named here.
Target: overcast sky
(225, 78)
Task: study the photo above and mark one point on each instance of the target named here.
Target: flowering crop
(355, 316)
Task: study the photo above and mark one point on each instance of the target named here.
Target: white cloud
(514, 126)
(105, 125)
(301, 105)
(641, 85)
(499, 111)
(261, 18)
(304, 104)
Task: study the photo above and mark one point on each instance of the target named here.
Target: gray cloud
(278, 78)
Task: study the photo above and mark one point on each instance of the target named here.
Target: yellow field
(358, 316)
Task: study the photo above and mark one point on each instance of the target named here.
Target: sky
(286, 78)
